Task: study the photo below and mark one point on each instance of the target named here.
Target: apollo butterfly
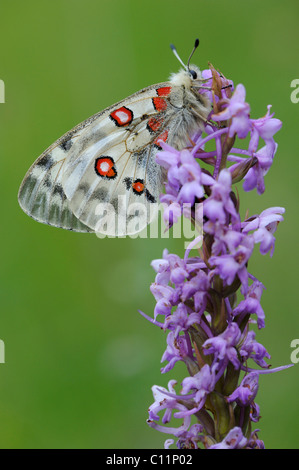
(110, 158)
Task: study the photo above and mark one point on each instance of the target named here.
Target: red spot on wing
(163, 90)
(163, 137)
(138, 186)
(104, 166)
(159, 104)
(122, 116)
(154, 124)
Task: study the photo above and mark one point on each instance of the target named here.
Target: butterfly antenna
(173, 48)
(196, 44)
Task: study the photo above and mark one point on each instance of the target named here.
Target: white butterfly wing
(63, 187)
(111, 178)
(41, 194)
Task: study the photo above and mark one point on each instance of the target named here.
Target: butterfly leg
(203, 118)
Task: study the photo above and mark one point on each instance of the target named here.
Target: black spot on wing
(47, 182)
(149, 196)
(66, 145)
(100, 194)
(128, 183)
(83, 187)
(58, 191)
(46, 162)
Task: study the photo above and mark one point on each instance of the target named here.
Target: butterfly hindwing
(115, 163)
(116, 186)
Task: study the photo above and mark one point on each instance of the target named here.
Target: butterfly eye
(193, 74)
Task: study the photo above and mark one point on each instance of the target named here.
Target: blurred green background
(80, 360)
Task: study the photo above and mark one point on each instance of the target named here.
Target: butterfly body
(110, 159)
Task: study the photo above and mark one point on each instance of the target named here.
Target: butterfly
(102, 175)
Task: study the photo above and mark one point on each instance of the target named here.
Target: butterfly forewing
(107, 159)
(41, 194)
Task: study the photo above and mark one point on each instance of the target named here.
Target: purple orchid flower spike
(219, 205)
(247, 390)
(208, 302)
(233, 440)
(238, 111)
(264, 226)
